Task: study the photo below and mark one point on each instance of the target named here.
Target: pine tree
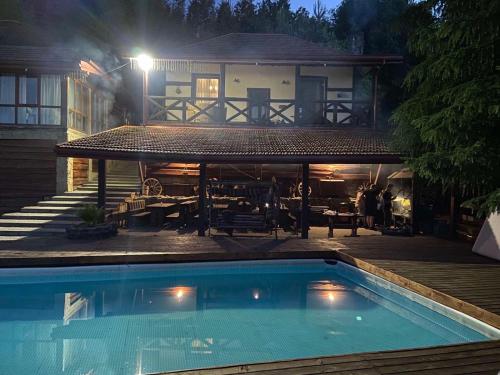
(245, 16)
(450, 125)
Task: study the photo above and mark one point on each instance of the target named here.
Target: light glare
(145, 62)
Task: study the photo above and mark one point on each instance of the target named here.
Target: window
(38, 99)
(50, 93)
(78, 106)
(7, 99)
(101, 111)
(206, 87)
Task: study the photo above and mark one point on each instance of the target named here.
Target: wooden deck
(445, 271)
(477, 358)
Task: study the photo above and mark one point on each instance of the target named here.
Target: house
(263, 79)
(47, 96)
(240, 109)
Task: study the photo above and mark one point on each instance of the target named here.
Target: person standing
(370, 197)
(387, 199)
(360, 204)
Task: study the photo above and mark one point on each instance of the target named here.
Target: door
(312, 94)
(258, 104)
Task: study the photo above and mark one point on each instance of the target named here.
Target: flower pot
(85, 231)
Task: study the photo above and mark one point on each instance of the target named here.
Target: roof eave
(64, 151)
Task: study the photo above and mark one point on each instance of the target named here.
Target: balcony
(267, 112)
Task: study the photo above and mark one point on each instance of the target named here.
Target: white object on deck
(488, 240)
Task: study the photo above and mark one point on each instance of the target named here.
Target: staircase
(52, 217)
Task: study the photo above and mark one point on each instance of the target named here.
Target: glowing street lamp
(145, 63)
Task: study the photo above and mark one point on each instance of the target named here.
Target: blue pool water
(151, 318)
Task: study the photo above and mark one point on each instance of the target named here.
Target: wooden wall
(80, 171)
(27, 172)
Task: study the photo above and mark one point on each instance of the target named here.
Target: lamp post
(145, 62)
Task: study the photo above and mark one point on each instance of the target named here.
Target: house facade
(265, 80)
(47, 96)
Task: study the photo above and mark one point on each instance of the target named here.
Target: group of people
(370, 200)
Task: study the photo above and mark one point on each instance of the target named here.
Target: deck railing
(233, 110)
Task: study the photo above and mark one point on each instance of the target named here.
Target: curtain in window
(50, 90)
(28, 90)
(7, 96)
(7, 89)
(207, 88)
(50, 95)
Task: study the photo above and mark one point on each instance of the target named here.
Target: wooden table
(158, 212)
(333, 220)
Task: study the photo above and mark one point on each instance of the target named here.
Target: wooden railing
(232, 110)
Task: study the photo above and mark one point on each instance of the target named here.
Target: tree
(244, 12)
(224, 19)
(450, 123)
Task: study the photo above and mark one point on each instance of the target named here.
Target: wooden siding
(28, 170)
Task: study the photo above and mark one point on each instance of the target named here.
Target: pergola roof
(219, 144)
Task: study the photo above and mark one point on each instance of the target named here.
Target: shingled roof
(268, 47)
(232, 145)
(38, 57)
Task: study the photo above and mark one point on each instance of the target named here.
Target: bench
(188, 212)
(229, 221)
(137, 213)
(119, 215)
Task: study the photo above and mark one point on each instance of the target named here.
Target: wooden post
(374, 96)
(222, 94)
(304, 218)
(296, 113)
(201, 199)
(145, 104)
(454, 205)
(415, 203)
(101, 183)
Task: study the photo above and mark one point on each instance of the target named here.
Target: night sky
(308, 4)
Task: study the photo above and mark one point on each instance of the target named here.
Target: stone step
(40, 216)
(71, 203)
(111, 189)
(85, 198)
(11, 238)
(93, 192)
(44, 223)
(31, 231)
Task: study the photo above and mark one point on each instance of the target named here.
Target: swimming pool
(149, 318)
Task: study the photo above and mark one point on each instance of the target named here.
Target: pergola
(231, 145)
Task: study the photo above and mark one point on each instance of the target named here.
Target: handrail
(276, 111)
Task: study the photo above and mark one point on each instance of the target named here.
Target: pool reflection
(153, 324)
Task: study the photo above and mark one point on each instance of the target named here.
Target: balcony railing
(232, 110)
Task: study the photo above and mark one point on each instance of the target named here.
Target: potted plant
(94, 224)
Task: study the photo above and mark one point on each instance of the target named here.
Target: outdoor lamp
(145, 62)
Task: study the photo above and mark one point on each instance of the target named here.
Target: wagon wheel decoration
(299, 189)
(151, 186)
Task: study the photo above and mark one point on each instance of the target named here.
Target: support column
(101, 183)
(222, 94)
(202, 199)
(145, 104)
(304, 216)
(374, 96)
(296, 113)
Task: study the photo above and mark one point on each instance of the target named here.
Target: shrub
(92, 215)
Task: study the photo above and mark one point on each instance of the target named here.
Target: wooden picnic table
(338, 219)
(158, 212)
